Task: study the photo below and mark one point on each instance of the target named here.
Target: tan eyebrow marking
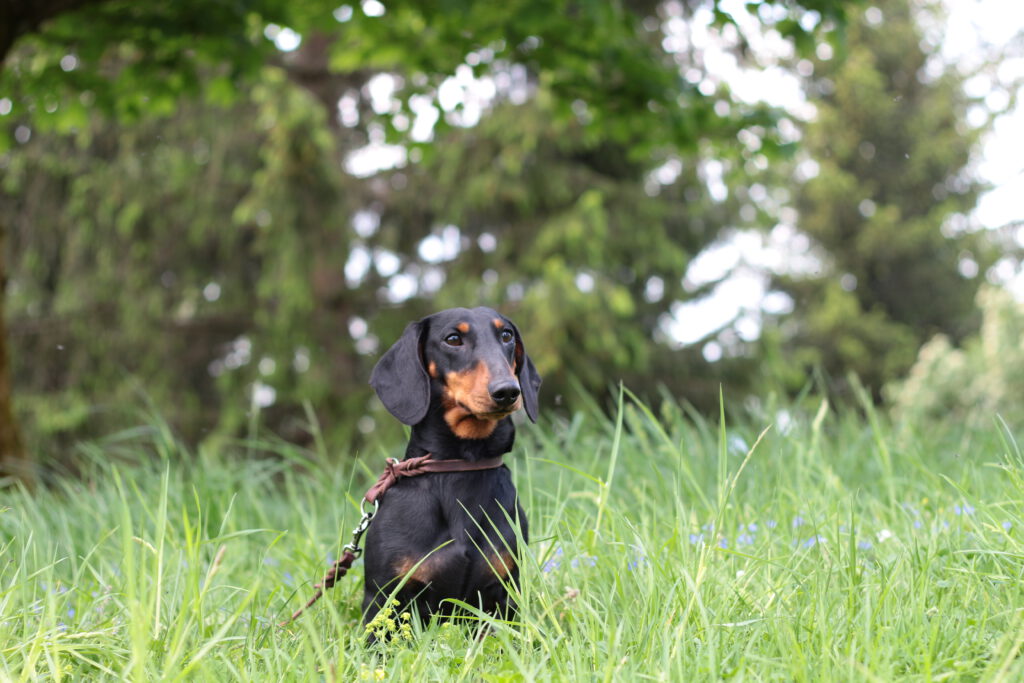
(498, 323)
(462, 327)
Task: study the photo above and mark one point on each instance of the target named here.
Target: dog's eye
(507, 336)
(453, 340)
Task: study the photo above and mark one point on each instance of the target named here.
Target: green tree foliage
(229, 221)
(886, 208)
(161, 275)
(567, 232)
(139, 57)
(242, 245)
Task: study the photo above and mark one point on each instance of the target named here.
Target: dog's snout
(505, 394)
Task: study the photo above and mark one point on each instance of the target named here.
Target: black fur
(451, 535)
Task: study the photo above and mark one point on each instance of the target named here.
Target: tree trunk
(14, 460)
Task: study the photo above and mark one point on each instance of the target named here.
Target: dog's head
(473, 361)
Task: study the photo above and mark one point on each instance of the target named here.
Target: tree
(234, 241)
(601, 64)
(886, 207)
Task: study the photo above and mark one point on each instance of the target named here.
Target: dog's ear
(529, 380)
(400, 379)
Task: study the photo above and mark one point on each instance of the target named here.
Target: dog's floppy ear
(529, 380)
(400, 379)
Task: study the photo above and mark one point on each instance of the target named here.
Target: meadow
(771, 543)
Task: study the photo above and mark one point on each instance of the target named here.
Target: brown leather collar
(424, 464)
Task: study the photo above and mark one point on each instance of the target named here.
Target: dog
(455, 377)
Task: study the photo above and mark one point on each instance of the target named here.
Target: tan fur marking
(462, 327)
(498, 324)
(469, 387)
(465, 426)
(502, 564)
(465, 394)
(422, 573)
(468, 408)
(432, 369)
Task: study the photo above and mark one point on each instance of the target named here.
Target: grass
(664, 546)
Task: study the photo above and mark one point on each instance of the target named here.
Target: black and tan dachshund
(455, 377)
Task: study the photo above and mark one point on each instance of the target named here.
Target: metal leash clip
(364, 524)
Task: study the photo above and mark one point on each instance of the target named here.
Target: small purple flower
(71, 612)
(917, 524)
(554, 563)
(752, 527)
(696, 539)
(864, 545)
(813, 541)
(771, 524)
(798, 521)
(271, 561)
(965, 509)
(745, 539)
(639, 561)
(288, 579)
(1007, 526)
(590, 561)
(723, 542)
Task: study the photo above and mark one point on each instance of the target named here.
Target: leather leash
(393, 471)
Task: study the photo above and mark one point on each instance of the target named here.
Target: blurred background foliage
(887, 204)
(191, 223)
(972, 382)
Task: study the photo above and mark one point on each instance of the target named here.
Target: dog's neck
(433, 435)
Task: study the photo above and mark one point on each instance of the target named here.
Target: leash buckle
(364, 524)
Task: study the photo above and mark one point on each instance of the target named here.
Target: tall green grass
(664, 546)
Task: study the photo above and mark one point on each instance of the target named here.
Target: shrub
(983, 378)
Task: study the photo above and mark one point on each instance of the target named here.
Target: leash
(393, 471)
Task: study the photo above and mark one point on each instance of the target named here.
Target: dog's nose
(505, 394)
